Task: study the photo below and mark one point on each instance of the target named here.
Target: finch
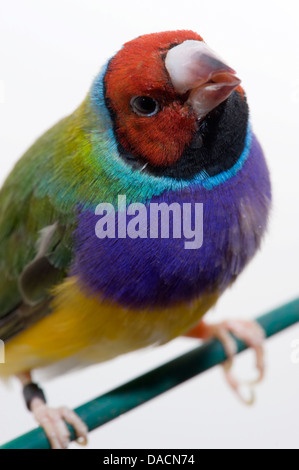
(165, 125)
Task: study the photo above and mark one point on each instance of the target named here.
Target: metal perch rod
(109, 406)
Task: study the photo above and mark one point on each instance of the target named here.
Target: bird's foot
(53, 421)
(251, 333)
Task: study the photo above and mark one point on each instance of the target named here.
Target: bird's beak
(194, 67)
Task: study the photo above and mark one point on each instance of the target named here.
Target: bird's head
(177, 109)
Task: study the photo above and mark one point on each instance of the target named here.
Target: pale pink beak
(194, 67)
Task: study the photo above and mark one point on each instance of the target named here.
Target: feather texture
(65, 295)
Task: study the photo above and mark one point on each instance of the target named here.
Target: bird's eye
(144, 105)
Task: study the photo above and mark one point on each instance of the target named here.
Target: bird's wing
(34, 259)
(35, 240)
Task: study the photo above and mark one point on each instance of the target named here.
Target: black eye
(144, 105)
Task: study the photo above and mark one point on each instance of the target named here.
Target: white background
(50, 52)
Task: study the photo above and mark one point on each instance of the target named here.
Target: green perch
(109, 406)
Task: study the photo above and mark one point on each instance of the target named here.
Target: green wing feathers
(36, 246)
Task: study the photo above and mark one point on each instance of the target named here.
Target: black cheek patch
(217, 144)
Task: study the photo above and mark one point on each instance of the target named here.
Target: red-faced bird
(164, 122)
